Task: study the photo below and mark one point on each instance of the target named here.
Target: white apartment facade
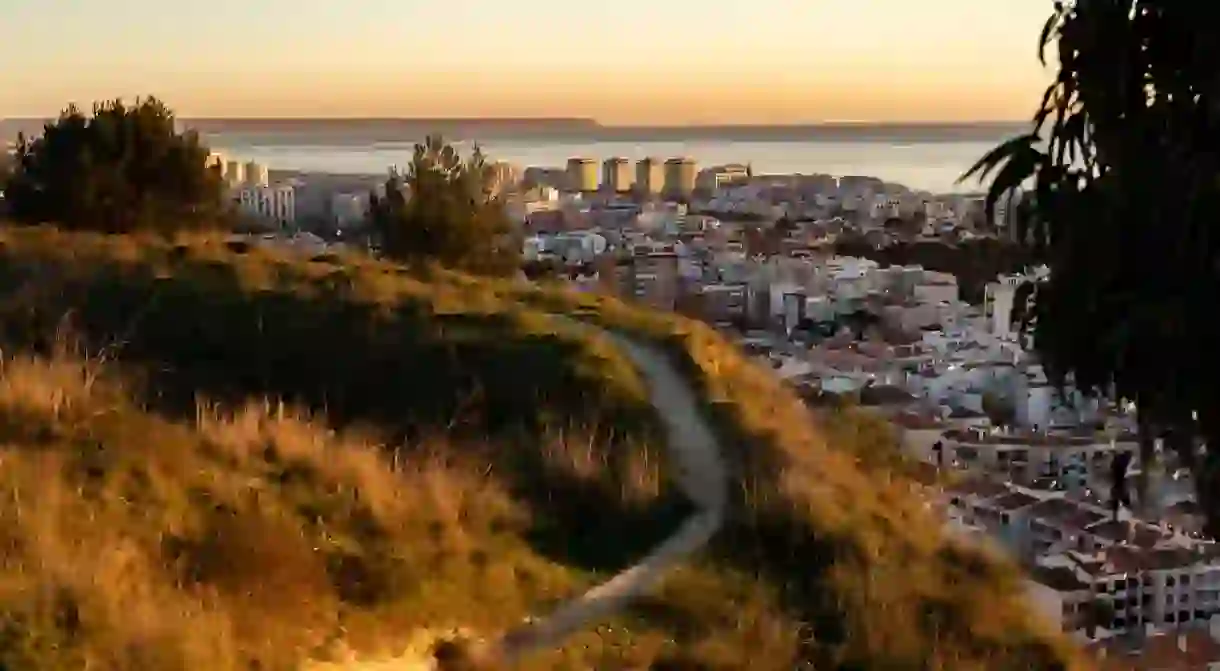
(1171, 586)
(349, 210)
(1030, 455)
(270, 203)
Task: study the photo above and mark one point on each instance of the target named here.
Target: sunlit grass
(828, 556)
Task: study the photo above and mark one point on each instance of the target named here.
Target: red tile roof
(1064, 514)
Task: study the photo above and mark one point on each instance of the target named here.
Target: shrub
(121, 170)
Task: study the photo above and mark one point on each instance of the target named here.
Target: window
(1185, 580)
(1183, 616)
(1169, 581)
(1170, 618)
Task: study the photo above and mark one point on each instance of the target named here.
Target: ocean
(920, 157)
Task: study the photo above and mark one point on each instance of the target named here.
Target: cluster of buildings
(674, 178)
(1011, 461)
(735, 192)
(249, 184)
(586, 193)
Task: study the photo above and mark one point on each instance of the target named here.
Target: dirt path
(702, 477)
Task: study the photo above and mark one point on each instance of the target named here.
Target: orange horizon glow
(685, 63)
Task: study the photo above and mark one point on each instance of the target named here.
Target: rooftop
(1137, 533)
(1033, 439)
(1065, 514)
(978, 488)
(1013, 501)
(1187, 650)
(916, 421)
(1059, 578)
(1126, 559)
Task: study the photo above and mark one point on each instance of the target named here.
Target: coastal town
(1011, 461)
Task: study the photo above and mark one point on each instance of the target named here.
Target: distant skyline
(630, 62)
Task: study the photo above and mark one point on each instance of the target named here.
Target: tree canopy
(448, 210)
(1124, 161)
(6, 166)
(122, 169)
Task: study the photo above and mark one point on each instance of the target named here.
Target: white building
(235, 173)
(272, 203)
(999, 297)
(1170, 585)
(998, 300)
(571, 247)
(1029, 455)
(257, 175)
(349, 209)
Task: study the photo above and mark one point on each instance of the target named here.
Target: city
(476, 337)
(1005, 458)
(1008, 459)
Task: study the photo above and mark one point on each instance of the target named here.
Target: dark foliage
(447, 210)
(122, 169)
(203, 328)
(974, 263)
(1124, 160)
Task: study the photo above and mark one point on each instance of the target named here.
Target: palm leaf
(1000, 155)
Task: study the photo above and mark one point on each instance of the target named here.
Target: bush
(446, 210)
(121, 170)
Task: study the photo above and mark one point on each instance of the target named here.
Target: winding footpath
(701, 476)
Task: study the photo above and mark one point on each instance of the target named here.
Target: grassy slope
(828, 557)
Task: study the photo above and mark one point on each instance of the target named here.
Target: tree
(123, 169)
(1124, 160)
(1000, 411)
(1095, 613)
(6, 170)
(6, 166)
(447, 210)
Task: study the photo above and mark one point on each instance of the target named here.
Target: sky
(618, 61)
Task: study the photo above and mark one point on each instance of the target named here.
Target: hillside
(453, 452)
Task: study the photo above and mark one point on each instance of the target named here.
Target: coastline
(336, 182)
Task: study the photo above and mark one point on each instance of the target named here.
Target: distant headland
(371, 130)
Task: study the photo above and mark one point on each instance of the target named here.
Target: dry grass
(828, 558)
(131, 541)
(135, 543)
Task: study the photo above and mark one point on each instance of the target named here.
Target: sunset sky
(619, 61)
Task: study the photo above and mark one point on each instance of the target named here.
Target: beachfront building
(680, 176)
(582, 174)
(649, 176)
(235, 174)
(616, 175)
(257, 174)
(273, 204)
(716, 177)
